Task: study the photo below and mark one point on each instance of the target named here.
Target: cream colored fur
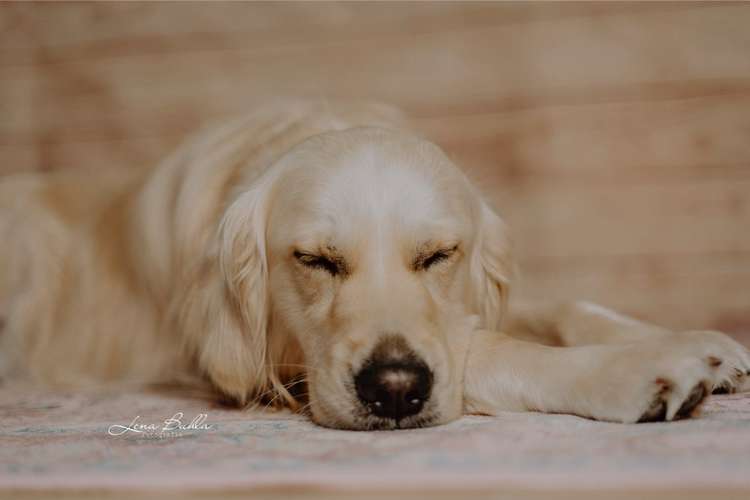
(187, 273)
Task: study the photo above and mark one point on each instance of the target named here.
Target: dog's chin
(359, 418)
(373, 423)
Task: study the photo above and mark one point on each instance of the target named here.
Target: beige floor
(654, 494)
(58, 444)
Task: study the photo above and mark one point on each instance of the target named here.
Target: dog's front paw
(676, 382)
(729, 360)
(667, 378)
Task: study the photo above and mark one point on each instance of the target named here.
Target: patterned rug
(53, 442)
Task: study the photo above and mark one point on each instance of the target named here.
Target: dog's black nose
(394, 390)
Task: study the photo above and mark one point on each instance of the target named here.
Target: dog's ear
(226, 313)
(492, 267)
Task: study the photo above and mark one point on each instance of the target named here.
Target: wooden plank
(480, 68)
(48, 154)
(17, 104)
(697, 216)
(68, 31)
(604, 142)
(678, 291)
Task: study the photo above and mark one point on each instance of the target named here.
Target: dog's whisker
(279, 393)
(286, 386)
(296, 365)
(304, 409)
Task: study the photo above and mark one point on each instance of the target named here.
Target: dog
(324, 247)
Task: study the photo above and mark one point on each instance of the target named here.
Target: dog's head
(372, 253)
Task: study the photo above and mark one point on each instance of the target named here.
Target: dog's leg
(576, 323)
(657, 379)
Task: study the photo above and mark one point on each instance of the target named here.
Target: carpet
(58, 442)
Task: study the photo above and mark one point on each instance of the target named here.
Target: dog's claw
(697, 394)
(656, 413)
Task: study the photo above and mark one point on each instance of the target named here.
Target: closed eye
(333, 266)
(429, 260)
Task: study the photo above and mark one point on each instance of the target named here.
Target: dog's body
(326, 243)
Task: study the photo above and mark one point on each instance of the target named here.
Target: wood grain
(614, 137)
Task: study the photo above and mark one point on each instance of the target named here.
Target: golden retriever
(326, 245)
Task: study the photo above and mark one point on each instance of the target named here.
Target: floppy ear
(226, 312)
(492, 268)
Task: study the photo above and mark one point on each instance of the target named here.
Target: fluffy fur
(198, 271)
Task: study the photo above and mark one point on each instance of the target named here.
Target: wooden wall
(615, 138)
